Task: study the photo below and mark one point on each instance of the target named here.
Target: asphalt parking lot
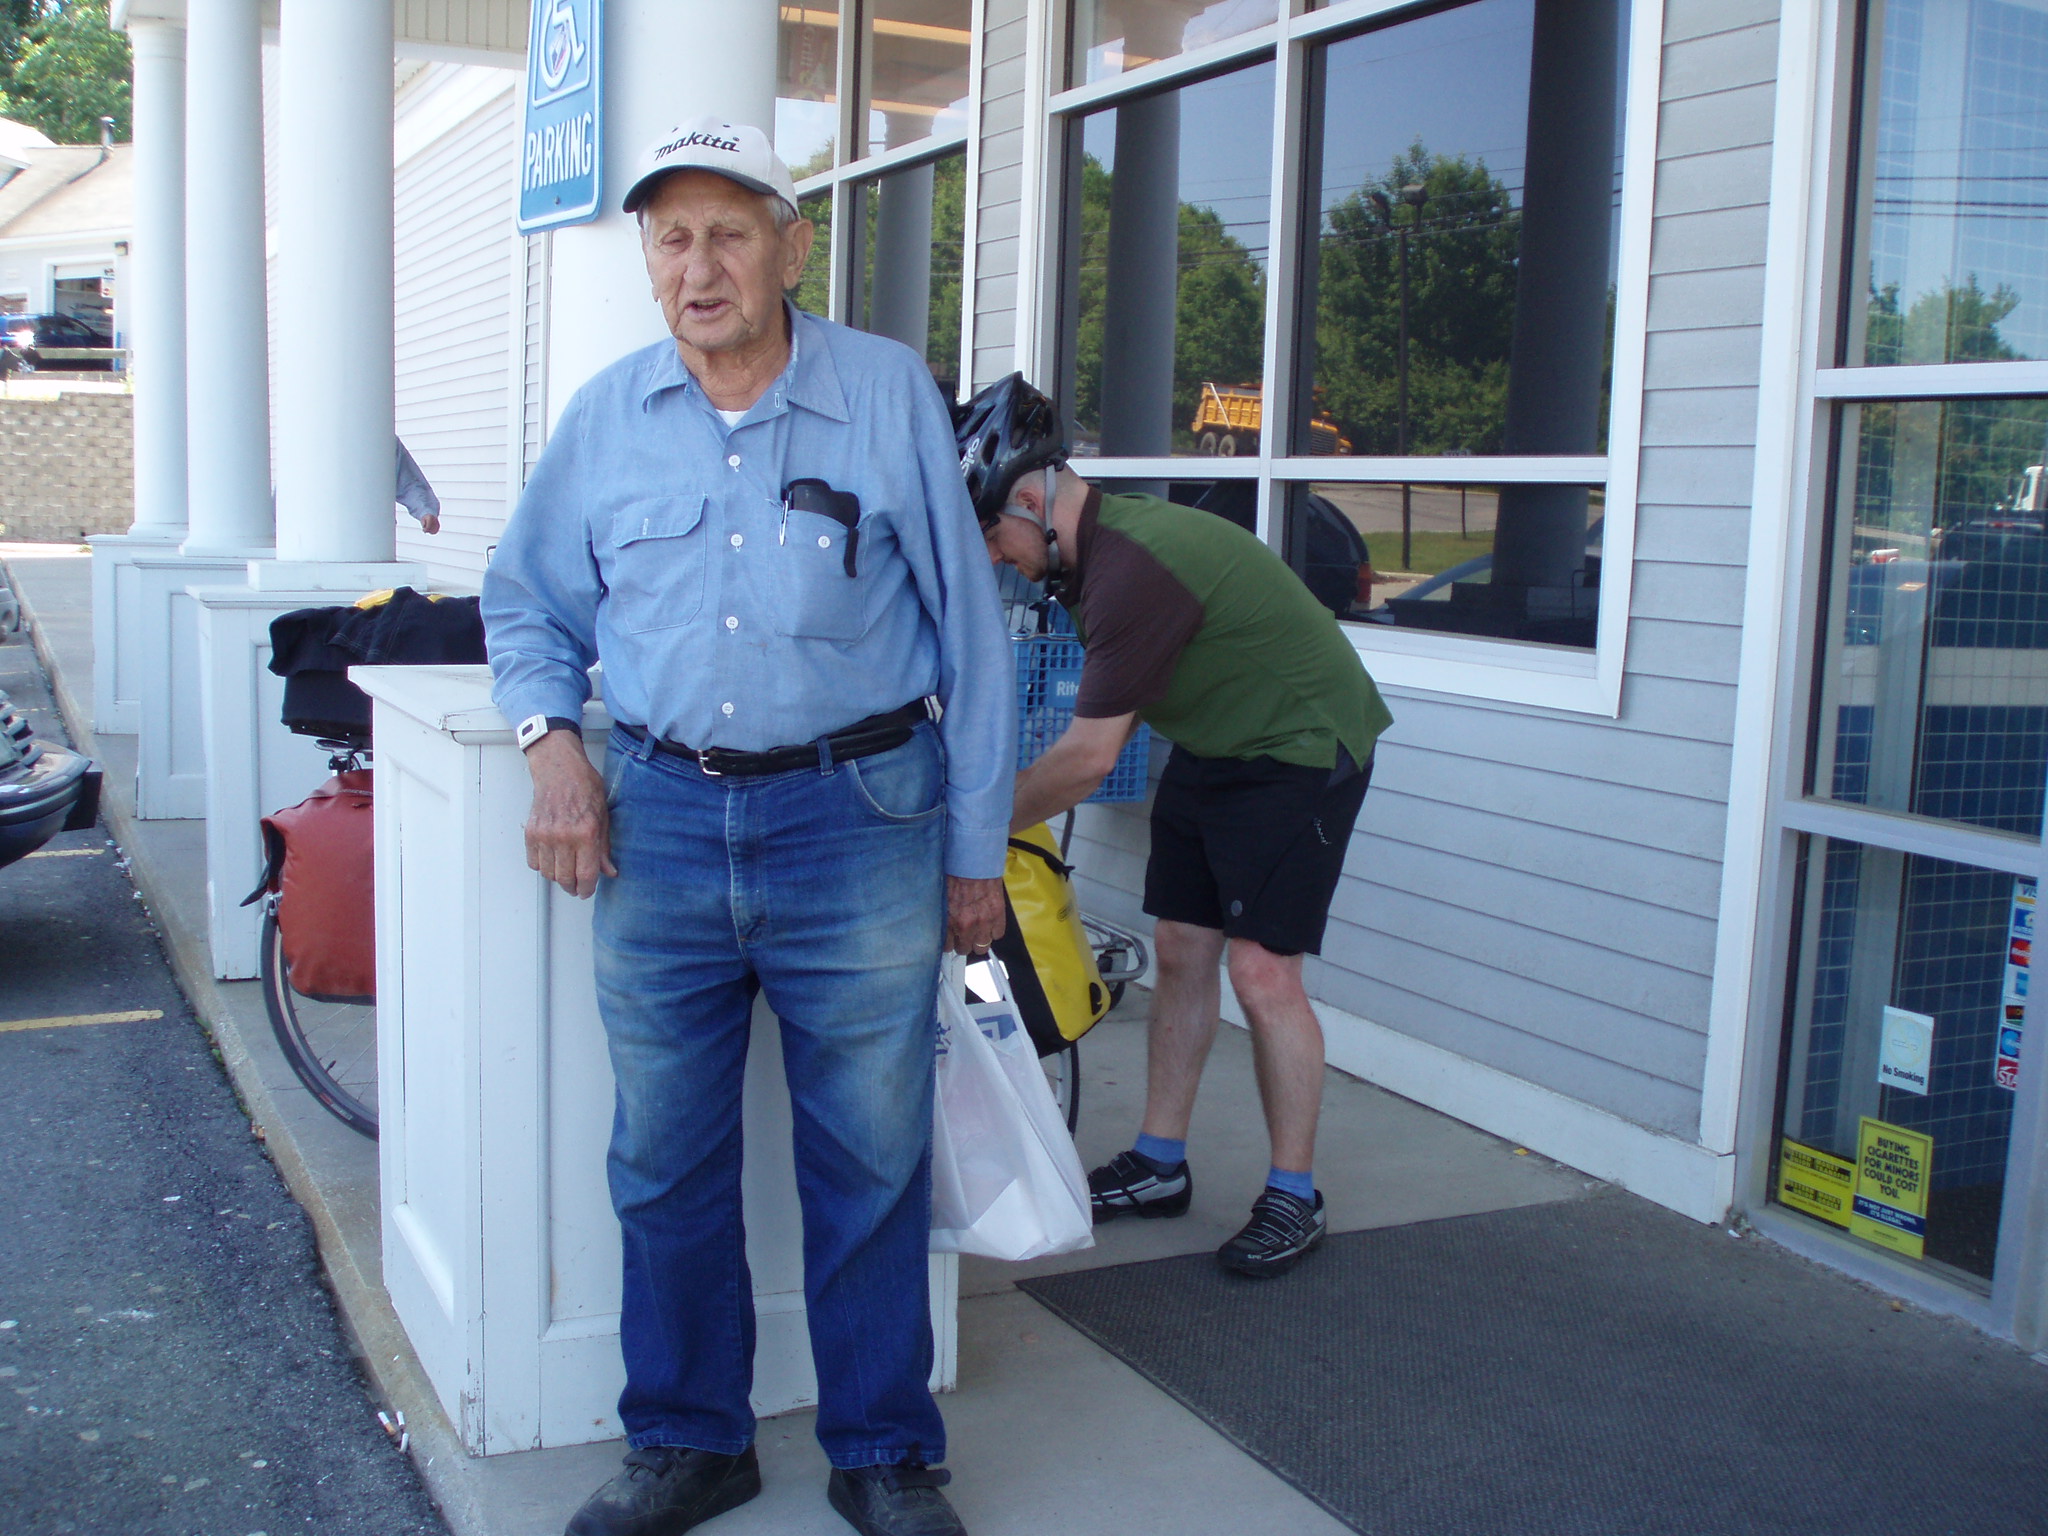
(170, 1358)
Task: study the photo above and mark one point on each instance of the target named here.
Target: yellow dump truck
(1228, 420)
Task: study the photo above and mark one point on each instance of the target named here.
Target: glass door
(1927, 759)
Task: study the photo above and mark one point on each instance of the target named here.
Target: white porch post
(227, 344)
(156, 336)
(227, 402)
(334, 398)
(664, 60)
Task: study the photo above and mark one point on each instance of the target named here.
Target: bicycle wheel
(1063, 1075)
(331, 1046)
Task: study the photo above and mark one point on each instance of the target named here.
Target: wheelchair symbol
(560, 46)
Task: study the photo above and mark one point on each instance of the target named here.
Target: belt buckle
(708, 767)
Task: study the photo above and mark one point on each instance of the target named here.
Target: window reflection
(1422, 555)
(807, 87)
(1952, 247)
(909, 228)
(1112, 37)
(914, 64)
(1932, 700)
(1426, 171)
(1165, 297)
(814, 290)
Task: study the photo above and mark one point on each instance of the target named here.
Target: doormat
(1597, 1367)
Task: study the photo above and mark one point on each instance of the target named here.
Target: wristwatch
(533, 727)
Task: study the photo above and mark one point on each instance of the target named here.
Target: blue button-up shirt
(654, 537)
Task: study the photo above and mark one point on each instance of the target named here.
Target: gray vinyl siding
(1001, 190)
(1539, 891)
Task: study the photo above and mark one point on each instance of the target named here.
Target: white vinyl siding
(454, 269)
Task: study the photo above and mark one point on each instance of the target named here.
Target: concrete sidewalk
(1049, 1432)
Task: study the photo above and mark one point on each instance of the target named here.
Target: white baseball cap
(710, 143)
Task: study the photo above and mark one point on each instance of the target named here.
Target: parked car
(32, 342)
(44, 789)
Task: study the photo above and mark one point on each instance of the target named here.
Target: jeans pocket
(906, 783)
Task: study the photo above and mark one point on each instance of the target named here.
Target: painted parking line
(66, 853)
(66, 1020)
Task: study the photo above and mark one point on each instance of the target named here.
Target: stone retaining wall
(67, 466)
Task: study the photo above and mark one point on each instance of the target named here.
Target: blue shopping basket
(1048, 682)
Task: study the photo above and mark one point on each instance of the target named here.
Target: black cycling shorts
(1252, 846)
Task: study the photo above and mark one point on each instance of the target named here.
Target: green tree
(65, 68)
(1462, 246)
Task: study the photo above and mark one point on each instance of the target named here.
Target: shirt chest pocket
(656, 580)
(815, 598)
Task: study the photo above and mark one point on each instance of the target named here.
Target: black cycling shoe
(664, 1490)
(1283, 1228)
(903, 1500)
(1127, 1185)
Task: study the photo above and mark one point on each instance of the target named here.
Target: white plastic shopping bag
(1006, 1180)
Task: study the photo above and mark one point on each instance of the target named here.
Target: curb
(382, 1348)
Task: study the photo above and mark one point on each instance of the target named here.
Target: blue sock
(1300, 1185)
(1164, 1155)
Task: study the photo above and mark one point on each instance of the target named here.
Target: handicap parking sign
(561, 151)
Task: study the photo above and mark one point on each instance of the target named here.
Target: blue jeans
(823, 888)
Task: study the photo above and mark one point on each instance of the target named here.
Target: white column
(126, 641)
(334, 395)
(228, 405)
(156, 300)
(664, 60)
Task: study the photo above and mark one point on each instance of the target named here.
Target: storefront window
(1165, 293)
(1909, 1006)
(1932, 701)
(807, 88)
(1113, 37)
(914, 56)
(910, 227)
(1951, 253)
(1433, 227)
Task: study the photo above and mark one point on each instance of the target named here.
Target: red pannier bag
(319, 859)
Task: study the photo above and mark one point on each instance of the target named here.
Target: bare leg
(1287, 1048)
(1185, 1005)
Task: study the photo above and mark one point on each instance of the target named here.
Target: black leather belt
(864, 738)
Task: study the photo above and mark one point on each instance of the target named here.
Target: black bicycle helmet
(1005, 432)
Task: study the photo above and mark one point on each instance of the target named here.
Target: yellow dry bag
(1044, 948)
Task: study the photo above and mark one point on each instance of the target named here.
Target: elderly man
(760, 530)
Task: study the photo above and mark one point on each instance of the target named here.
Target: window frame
(839, 179)
(1465, 666)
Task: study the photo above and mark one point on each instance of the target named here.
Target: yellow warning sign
(1815, 1182)
(1891, 1187)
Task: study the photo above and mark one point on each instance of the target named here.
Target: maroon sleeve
(1138, 617)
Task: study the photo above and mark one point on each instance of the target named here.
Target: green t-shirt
(1204, 633)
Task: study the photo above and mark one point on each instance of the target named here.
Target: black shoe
(902, 1500)
(1283, 1228)
(1127, 1185)
(665, 1490)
